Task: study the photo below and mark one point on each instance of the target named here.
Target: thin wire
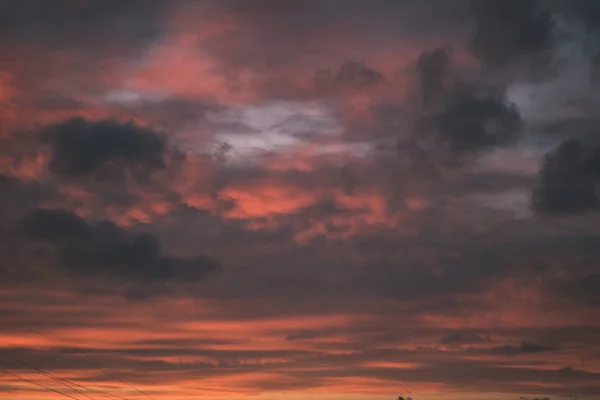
(5, 311)
(112, 375)
(60, 380)
(11, 357)
(109, 395)
(37, 384)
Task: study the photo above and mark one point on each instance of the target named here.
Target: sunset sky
(299, 199)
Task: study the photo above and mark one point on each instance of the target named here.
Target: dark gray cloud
(18, 197)
(476, 117)
(595, 73)
(568, 180)
(104, 249)
(433, 72)
(456, 117)
(80, 147)
(465, 337)
(583, 127)
(303, 335)
(88, 26)
(55, 226)
(584, 14)
(508, 30)
(351, 75)
(588, 11)
(583, 288)
(522, 348)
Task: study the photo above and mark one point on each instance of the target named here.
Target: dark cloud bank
(102, 248)
(81, 147)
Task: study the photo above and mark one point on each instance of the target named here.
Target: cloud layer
(286, 199)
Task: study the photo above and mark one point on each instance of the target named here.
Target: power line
(37, 384)
(110, 375)
(62, 381)
(12, 358)
(105, 394)
(4, 311)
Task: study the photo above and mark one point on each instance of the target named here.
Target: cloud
(18, 197)
(433, 72)
(465, 337)
(509, 30)
(322, 239)
(588, 11)
(68, 24)
(583, 288)
(350, 76)
(80, 147)
(568, 180)
(325, 33)
(102, 249)
(523, 348)
(477, 117)
(303, 335)
(454, 117)
(80, 49)
(595, 74)
(175, 115)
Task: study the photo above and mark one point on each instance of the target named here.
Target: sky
(285, 199)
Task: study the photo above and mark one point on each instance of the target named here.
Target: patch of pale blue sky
(280, 127)
(132, 98)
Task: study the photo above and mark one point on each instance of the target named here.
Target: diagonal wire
(63, 381)
(12, 358)
(90, 362)
(37, 384)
